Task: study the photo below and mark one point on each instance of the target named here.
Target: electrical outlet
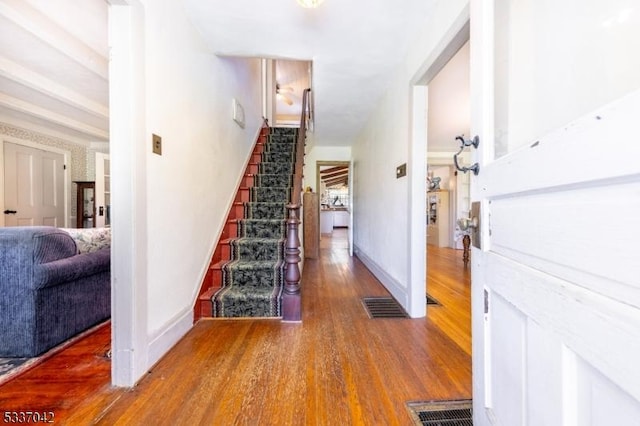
(156, 144)
(401, 170)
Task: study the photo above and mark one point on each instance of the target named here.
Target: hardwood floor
(449, 282)
(337, 367)
(76, 374)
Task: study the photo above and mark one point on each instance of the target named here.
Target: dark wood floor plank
(74, 374)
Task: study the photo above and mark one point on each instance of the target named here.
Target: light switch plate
(238, 113)
(401, 170)
(156, 144)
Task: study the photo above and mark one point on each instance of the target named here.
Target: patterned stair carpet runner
(254, 277)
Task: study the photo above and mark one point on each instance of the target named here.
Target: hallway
(337, 367)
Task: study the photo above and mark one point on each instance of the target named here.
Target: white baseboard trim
(167, 338)
(397, 290)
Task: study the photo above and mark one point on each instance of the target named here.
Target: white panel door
(556, 282)
(34, 186)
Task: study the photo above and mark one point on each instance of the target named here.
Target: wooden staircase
(222, 254)
(283, 275)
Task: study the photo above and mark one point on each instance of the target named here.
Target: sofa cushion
(71, 269)
(89, 240)
(50, 245)
(23, 246)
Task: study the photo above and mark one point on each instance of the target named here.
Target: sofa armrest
(71, 268)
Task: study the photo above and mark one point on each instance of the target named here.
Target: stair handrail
(291, 303)
(302, 134)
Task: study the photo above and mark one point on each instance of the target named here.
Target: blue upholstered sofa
(48, 292)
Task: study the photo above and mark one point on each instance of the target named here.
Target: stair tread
(221, 263)
(259, 239)
(254, 264)
(260, 220)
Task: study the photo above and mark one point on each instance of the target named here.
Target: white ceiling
(54, 67)
(354, 45)
(54, 56)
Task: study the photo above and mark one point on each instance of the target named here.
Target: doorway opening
(448, 197)
(441, 112)
(335, 192)
(283, 84)
(448, 192)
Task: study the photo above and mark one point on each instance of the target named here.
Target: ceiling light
(310, 3)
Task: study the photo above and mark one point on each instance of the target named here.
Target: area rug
(10, 367)
(442, 413)
(253, 279)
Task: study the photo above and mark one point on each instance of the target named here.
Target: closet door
(33, 187)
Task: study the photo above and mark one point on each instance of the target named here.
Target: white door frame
(267, 71)
(455, 37)
(128, 143)
(48, 148)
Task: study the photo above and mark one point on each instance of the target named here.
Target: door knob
(10, 212)
(468, 223)
(471, 225)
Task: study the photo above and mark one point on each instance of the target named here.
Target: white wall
(380, 200)
(381, 222)
(449, 103)
(180, 199)
(189, 98)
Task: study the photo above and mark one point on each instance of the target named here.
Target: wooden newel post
(291, 306)
(466, 241)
